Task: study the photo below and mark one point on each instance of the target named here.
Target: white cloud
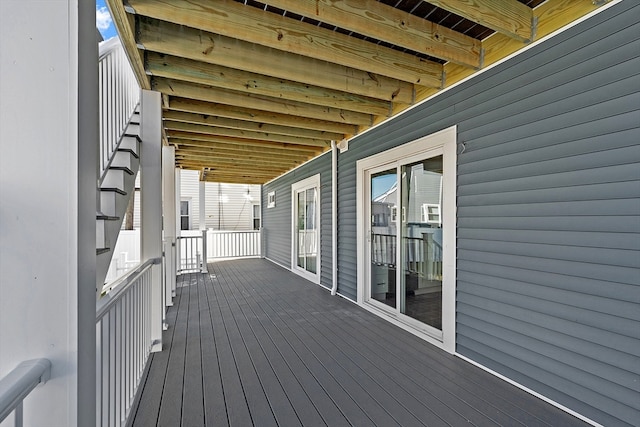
(103, 18)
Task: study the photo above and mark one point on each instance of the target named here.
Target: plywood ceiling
(254, 89)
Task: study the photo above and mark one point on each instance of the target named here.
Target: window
(256, 217)
(185, 215)
(431, 214)
(306, 228)
(271, 199)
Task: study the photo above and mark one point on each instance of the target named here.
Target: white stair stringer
(116, 188)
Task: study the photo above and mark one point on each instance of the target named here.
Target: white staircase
(115, 191)
(119, 158)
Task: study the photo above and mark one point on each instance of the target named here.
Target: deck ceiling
(253, 89)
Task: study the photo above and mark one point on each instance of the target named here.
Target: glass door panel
(420, 290)
(383, 236)
(306, 230)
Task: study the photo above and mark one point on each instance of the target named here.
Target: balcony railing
(123, 343)
(233, 244)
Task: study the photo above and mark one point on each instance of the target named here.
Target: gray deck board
(253, 344)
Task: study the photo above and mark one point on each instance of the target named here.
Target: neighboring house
(530, 181)
(229, 207)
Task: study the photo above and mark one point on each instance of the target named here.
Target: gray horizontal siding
(548, 287)
(277, 221)
(548, 258)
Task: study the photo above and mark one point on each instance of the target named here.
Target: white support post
(169, 220)
(178, 192)
(202, 222)
(151, 202)
(202, 219)
(48, 141)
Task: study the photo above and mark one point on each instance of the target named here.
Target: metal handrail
(120, 286)
(17, 385)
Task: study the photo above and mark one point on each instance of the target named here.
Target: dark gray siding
(548, 258)
(277, 221)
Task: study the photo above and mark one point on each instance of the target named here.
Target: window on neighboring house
(256, 217)
(431, 214)
(185, 217)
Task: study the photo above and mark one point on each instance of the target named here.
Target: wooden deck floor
(253, 344)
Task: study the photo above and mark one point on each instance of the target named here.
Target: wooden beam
(231, 151)
(254, 25)
(237, 144)
(172, 67)
(125, 25)
(248, 161)
(213, 48)
(383, 22)
(203, 119)
(508, 17)
(232, 179)
(227, 97)
(551, 16)
(235, 133)
(228, 168)
(258, 116)
(237, 141)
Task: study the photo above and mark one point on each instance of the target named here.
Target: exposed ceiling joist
(254, 25)
(203, 119)
(382, 22)
(258, 102)
(235, 133)
(258, 116)
(172, 67)
(239, 141)
(212, 149)
(211, 48)
(508, 17)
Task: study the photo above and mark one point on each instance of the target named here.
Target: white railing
(119, 97)
(191, 252)
(126, 254)
(233, 244)
(123, 343)
(17, 385)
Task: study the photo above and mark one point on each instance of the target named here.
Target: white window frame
(442, 142)
(254, 217)
(305, 184)
(271, 199)
(426, 212)
(189, 215)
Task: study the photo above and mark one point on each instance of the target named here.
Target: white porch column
(202, 219)
(169, 220)
(151, 200)
(48, 174)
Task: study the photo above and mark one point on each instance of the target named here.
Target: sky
(103, 20)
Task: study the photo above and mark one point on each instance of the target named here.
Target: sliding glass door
(306, 227)
(407, 203)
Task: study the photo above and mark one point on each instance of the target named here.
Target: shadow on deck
(253, 344)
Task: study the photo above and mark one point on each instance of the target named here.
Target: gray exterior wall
(548, 250)
(277, 220)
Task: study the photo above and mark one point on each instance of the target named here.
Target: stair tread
(114, 189)
(133, 135)
(102, 250)
(107, 217)
(122, 168)
(130, 151)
